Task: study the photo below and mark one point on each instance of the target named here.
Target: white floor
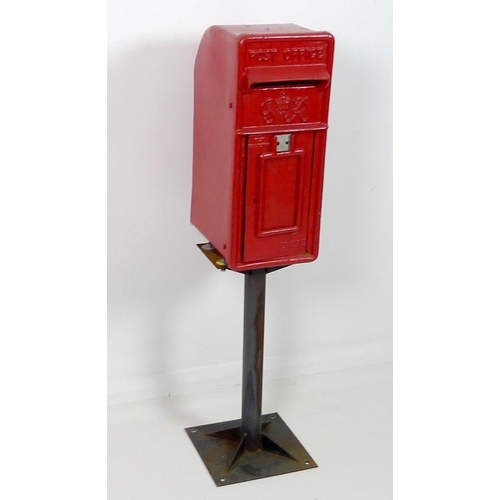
(343, 419)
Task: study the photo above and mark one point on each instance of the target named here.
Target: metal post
(256, 445)
(253, 355)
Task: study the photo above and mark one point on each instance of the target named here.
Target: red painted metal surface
(260, 119)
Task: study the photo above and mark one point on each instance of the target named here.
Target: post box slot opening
(281, 76)
(286, 83)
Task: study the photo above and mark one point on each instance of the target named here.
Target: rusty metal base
(222, 448)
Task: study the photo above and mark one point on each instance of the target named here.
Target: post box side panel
(213, 142)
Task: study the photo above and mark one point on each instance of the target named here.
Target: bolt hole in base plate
(221, 446)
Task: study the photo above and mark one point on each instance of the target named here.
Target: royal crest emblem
(285, 107)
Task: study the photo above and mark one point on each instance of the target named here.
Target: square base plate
(220, 447)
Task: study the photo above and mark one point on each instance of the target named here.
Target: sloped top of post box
(265, 30)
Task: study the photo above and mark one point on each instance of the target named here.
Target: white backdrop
(175, 323)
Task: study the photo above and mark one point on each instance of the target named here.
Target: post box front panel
(277, 195)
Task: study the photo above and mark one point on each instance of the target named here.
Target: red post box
(260, 119)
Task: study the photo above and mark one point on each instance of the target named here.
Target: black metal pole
(242, 451)
(253, 356)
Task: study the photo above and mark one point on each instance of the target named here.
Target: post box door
(277, 195)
